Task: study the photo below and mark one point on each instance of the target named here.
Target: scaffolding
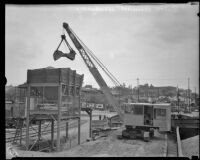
(53, 95)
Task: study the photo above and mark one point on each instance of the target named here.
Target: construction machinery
(87, 56)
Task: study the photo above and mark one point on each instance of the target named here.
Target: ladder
(18, 132)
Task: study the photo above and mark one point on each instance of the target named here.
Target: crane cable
(112, 77)
(114, 80)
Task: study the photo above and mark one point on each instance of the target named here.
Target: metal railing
(179, 148)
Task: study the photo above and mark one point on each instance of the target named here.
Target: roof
(150, 104)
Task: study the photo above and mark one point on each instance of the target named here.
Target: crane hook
(57, 54)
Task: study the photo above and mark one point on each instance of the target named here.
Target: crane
(139, 119)
(85, 52)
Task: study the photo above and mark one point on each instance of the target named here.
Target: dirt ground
(190, 146)
(109, 146)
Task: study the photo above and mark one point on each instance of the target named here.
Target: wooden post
(59, 116)
(90, 114)
(67, 128)
(21, 125)
(27, 117)
(52, 134)
(39, 133)
(79, 130)
(79, 119)
(39, 129)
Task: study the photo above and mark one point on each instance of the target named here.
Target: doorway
(148, 115)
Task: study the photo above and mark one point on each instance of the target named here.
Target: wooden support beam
(67, 128)
(39, 132)
(79, 119)
(91, 123)
(39, 129)
(21, 125)
(89, 112)
(27, 116)
(59, 117)
(79, 130)
(52, 134)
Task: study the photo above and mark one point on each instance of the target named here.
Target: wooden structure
(115, 122)
(148, 115)
(53, 94)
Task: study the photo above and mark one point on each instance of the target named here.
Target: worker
(147, 119)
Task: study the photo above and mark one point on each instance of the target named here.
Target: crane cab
(147, 115)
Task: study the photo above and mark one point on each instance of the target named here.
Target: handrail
(179, 148)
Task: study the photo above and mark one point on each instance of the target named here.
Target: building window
(138, 110)
(132, 109)
(160, 112)
(127, 109)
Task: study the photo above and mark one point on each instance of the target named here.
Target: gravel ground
(190, 146)
(109, 146)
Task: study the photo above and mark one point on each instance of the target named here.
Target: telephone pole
(178, 98)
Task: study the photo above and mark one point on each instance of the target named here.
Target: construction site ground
(190, 146)
(109, 146)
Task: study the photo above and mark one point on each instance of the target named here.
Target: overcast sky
(156, 43)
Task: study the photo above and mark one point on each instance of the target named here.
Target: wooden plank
(43, 84)
(67, 130)
(43, 112)
(64, 75)
(52, 134)
(59, 117)
(27, 117)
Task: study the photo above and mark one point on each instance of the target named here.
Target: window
(50, 93)
(77, 91)
(127, 109)
(71, 90)
(36, 91)
(160, 112)
(138, 110)
(132, 109)
(65, 90)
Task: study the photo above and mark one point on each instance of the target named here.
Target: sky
(156, 43)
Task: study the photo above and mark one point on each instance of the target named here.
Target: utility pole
(178, 98)
(138, 89)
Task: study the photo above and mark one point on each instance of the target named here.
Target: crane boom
(94, 71)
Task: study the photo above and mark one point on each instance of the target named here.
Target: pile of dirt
(114, 147)
(190, 146)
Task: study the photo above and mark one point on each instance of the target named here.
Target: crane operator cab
(140, 119)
